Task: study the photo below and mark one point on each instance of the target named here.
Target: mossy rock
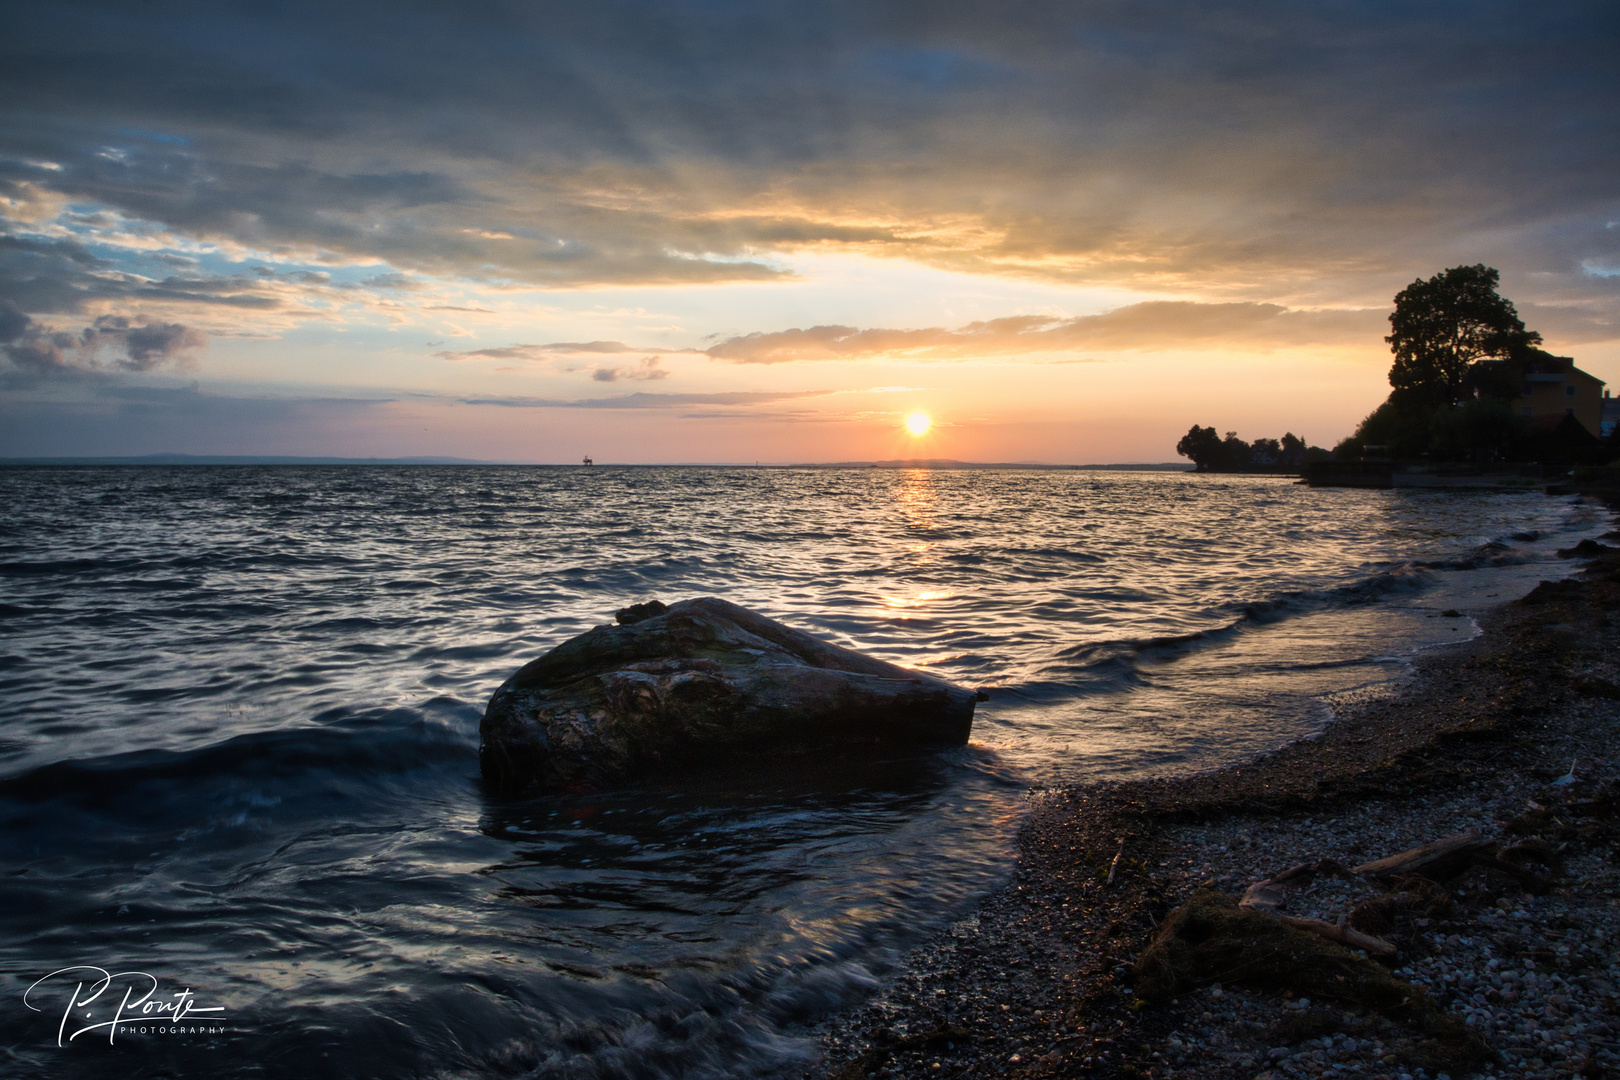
(700, 681)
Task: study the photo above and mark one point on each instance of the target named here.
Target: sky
(735, 232)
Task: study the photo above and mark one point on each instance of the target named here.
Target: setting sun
(918, 423)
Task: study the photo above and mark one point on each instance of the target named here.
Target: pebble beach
(1502, 970)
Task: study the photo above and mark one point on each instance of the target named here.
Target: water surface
(238, 749)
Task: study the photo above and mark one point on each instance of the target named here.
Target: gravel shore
(1504, 970)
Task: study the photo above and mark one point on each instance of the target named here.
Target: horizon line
(288, 459)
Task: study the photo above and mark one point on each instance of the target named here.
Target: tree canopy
(1211, 453)
(1463, 365)
(1441, 328)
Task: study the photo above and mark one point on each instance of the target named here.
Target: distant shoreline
(285, 460)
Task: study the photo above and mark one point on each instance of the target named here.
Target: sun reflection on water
(918, 600)
(917, 499)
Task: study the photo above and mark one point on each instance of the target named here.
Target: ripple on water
(241, 706)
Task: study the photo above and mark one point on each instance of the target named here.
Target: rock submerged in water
(699, 679)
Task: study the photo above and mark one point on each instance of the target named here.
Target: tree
(1293, 450)
(1441, 328)
(1212, 453)
(1235, 453)
(1202, 445)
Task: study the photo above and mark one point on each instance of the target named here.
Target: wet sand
(1040, 981)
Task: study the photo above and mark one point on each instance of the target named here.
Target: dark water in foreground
(239, 712)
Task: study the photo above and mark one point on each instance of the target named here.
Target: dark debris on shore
(1500, 970)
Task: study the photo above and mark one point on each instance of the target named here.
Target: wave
(385, 743)
(1408, 578)
(50, 567)
(1116, 663)
(1492, 553)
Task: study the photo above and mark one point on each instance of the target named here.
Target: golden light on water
(918, 423)
(915, 601)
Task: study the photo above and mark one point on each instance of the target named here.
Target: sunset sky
(760, 231)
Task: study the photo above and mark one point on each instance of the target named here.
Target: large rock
(699, 679)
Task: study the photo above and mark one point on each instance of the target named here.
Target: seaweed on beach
(1209, 939)
(1410, 897)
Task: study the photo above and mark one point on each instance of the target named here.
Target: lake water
(238, 743)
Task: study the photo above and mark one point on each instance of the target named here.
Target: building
(1553, 388)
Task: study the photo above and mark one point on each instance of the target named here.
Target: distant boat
(588, 461)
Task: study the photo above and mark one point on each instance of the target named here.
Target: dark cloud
(1277, 150)
(13, 323)
(1568, 325)
(46, 275)
(111, 343)
(56, 275)
(561, 232)
(389, 281)
(139, 347)
(105, 417)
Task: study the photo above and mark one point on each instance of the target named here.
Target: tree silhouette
(1265, 452)
(1203, 445)
(1442, 327)
(1212, 453)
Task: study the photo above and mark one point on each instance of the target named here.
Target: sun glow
(918, 423)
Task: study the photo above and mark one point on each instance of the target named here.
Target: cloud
(646, 400)
(647, 370)
(60, 275)
(93, 275)
(1573, 324)
(1153, 325)
(1272, 151)
(142, 346)
(1148, 326)
(560, 233)
(111, 343)
(105, 417)
(13, 323)
(552, 349)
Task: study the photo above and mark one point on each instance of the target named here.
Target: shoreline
(1042, 980)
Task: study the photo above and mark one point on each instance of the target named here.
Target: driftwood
(1442, 860)
(1344, 935)
(1436, 861)
(1268, 897)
